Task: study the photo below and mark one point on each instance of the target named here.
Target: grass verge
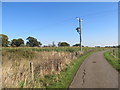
(66, 76)
(112, 60)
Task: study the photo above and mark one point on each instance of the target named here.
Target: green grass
(112, 60)
(58, 49)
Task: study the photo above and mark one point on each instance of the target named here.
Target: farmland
(38, 67)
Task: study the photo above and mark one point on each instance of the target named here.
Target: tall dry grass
(24, 68)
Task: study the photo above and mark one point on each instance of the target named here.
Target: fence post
(32, 70)
(52, 67)
(113, 52)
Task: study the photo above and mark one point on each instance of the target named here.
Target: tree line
(31, 42)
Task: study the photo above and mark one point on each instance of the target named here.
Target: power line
(84, 15)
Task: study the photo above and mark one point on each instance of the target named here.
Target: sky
(60, 0)
(56, 22)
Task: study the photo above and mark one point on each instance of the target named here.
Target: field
(52, 67)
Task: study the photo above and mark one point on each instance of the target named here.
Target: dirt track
(95, 72)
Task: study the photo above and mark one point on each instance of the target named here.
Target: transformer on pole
(79, 30)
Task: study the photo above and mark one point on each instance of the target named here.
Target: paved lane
(95, 72)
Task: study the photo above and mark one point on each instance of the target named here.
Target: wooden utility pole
(79, 30)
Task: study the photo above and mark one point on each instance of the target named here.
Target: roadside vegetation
(64, 79)
(113, 57)
(52, 67)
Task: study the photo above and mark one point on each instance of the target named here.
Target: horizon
(56, 44)
(100, 28)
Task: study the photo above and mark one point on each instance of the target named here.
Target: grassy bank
(66, 76)
(112, 60)
(33, 68)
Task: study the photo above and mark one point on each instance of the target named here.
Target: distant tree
(76, 45)
(114, 46)
(17, 42)
(97, 46)
(13, 42)
(63, 44)
(4, 40)
(22, 45)
(53, 44)
(32, 42)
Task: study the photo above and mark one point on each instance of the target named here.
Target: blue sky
(50, 21)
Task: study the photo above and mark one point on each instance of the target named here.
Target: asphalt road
(95, 72)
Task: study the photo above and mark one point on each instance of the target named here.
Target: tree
(13, 42)
(76, 45)
(32, 42)
(17, 42)
(63, 44)
(4, 40)
(53, 44)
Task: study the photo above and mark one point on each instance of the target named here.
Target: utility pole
(79, 30)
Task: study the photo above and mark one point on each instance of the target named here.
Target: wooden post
(41, 71)
(52, 67)
(32, 70)
(113, 52)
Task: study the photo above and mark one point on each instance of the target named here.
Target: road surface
(95, 72)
